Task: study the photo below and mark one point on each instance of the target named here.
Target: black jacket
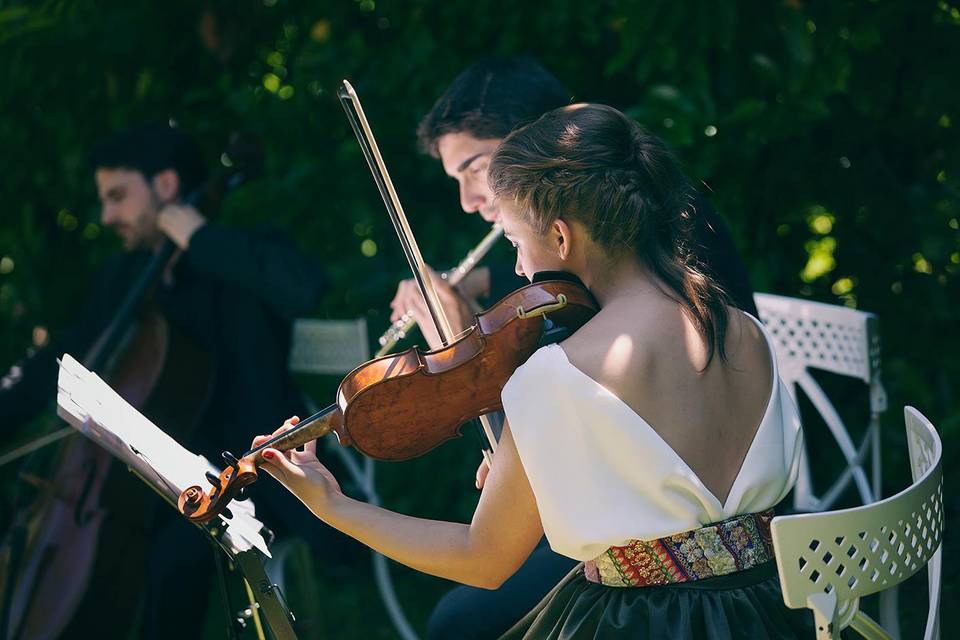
(234, 294)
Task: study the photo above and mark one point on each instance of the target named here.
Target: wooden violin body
(401, 406)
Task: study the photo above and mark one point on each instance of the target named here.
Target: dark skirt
(746, 604)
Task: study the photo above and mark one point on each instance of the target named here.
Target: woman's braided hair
(590, 163)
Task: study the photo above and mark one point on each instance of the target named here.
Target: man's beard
(147, 234)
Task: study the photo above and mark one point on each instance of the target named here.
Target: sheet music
(89, 404)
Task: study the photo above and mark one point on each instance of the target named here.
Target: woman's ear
(563, 235)
(166, 184)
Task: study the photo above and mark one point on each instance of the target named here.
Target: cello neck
(104, 346)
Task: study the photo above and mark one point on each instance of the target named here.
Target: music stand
(89, 405)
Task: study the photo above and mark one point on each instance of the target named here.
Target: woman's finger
(287, 425)
(277, 464)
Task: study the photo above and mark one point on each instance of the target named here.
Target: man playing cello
(231, 295)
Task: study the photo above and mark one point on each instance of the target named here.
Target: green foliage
(827, 133)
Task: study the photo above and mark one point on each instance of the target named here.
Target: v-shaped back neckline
(631, 411)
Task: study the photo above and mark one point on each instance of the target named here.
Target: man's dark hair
(151, 149)
(490, 98)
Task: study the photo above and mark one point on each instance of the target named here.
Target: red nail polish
(268, 455)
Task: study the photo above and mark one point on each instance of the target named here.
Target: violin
(388, 408)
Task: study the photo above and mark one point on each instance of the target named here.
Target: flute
(398, 330)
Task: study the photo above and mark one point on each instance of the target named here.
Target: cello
(50, 559)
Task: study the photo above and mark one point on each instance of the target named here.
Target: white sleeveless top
(602, 476)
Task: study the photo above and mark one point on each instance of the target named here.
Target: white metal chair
(328, 346)
(335, 347)
(925, 452)
(812, 335)
(828, 561)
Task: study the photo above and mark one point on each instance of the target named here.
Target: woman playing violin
(651, 444)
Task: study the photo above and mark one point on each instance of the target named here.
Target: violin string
(297, 427)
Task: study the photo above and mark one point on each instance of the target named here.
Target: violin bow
(358, 121)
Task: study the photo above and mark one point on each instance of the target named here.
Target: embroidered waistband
(740, 543)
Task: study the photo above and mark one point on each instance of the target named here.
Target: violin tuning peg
(228, 514)
(230, 459)
(213, 478)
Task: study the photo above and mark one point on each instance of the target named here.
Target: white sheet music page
(89, 404)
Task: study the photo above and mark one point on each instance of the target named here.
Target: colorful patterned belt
(742, 542)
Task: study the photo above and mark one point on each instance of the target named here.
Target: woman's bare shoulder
(745, 343)
(620, 337)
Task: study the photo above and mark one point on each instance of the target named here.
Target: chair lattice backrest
(828, 561)
(812, 335)
(328, 346)
(924, 446)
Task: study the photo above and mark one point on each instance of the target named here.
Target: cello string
(33, 445)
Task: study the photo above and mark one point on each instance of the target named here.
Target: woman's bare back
(646, 351)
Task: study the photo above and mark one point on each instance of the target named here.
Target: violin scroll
(201, 507)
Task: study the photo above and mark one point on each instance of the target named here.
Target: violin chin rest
(566, 276)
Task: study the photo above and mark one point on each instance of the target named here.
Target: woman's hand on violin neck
(300, 471)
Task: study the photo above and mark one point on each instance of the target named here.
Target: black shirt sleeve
(265, 262)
